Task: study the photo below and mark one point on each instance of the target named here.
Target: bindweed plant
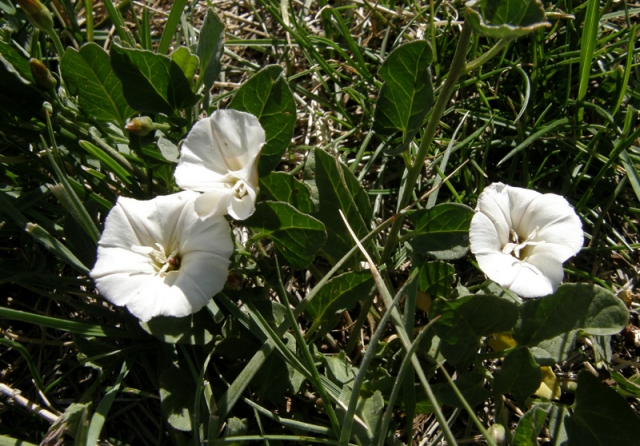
(298, 223)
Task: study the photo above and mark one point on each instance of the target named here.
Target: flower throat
(515, 248)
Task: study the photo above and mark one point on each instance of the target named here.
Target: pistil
(161, 261)
(514, 246)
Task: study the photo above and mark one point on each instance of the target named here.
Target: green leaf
(54, 245)
(152, 83)
(573, 306)
(625, 387)
(296, 236)
(89, 75)
(334, 188)
(195, 329)
(337, 295)
(17, 96)
(465, 320)
(407, 93)
(267, 96)
(505, 18)
(187, 62)
(100, 416)
(168, 149)
(435, 278)
(441, 232)
(277, 376)
(555, 350)
(469, 318)
(590, 28)
(530, 425)
(470, 384)
(80, 328)
(235, 427)
(107, 161)
(600, 416)
(280, 186)
(368, 410)
(210, 49)
(519, 375)
(177, 392)
(461, 354)
(338, 368)
(5, 440)
(17, 60)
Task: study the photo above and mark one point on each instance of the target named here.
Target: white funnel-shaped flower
(521, 238)
(158, 258)
(219, 158)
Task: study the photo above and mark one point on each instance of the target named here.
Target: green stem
(495, 49)
(56, 42)
(302, 344)
(457, 68)
(404, 337)
(88, 7)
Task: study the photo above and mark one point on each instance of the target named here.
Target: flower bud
(140, 126)
(498, 433)
(38, 14)
(42, 76)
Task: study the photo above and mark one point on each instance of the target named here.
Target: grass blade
(100, 416)
(170, 26)
(80, 328)
(587, 48)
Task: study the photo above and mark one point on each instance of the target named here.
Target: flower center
(239, 189)
(161, 262)
(514, 247)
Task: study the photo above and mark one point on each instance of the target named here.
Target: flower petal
(214, 202)
(483, 235)
(558, 225)
(242, 208)
(523, 278)
(128, 272)
(197, 177)
(227, 141)
(494, 204)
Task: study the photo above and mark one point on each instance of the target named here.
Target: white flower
(521, 238)
(219, 157)
(158, 257)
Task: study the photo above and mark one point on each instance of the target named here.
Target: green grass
(555, 111)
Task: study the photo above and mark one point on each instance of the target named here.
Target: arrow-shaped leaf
(152, 83)
(296, 236)
(339, 294)
(442, 231)
(267, 96)
(407, 93)
(88, 74)
(575, 306)
(505, 18)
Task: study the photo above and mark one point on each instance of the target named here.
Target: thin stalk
(468, 408)
(457, 68)
(495, 49)
(404, 337)
(82, 213)
(302, 344)
(347, 422)
(386, 419)
(56, 42)
(88, 9)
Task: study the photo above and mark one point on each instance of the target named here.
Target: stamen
(239, 189)
(514, 247)
(160, 260)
